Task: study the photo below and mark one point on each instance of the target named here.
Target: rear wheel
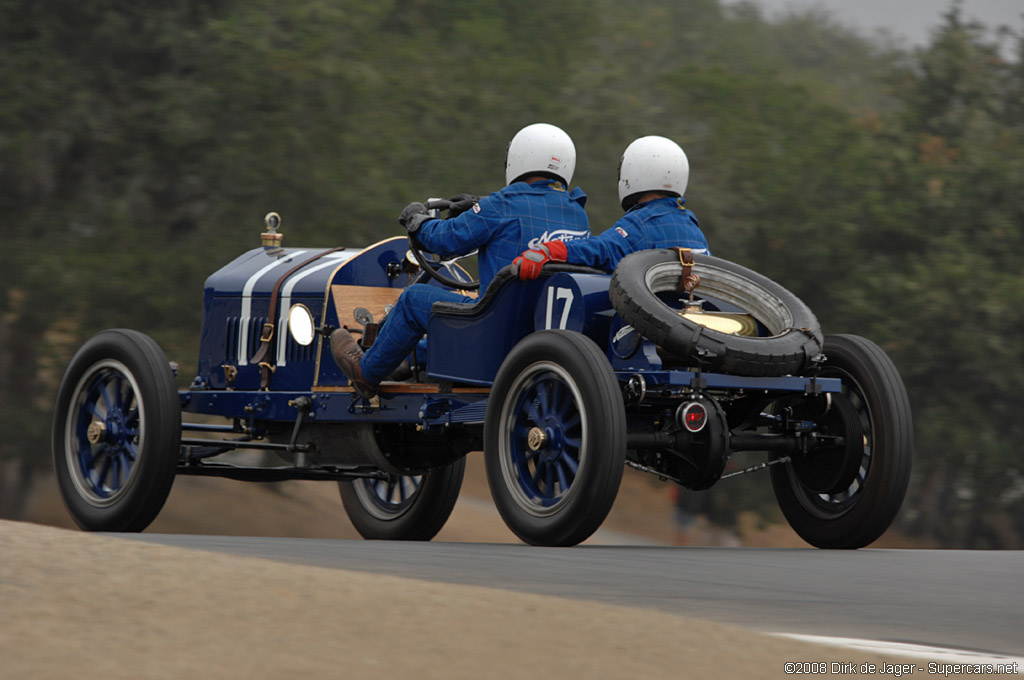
(847, 496)
(555, 438)
(403, 508)
(116, 432)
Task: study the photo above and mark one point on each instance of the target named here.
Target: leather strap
(264, 358)
(688, 281)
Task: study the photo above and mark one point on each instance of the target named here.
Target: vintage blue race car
(669, 366)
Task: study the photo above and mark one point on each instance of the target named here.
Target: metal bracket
(698, 382)
(371, 404)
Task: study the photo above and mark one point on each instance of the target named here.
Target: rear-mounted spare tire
(794, 336)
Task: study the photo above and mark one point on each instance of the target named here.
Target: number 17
(558, 294)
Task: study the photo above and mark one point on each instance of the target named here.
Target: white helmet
(540, 149)
(652, 164)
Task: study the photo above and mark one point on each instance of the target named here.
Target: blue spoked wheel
(846, 496)
(403, 508)
(116, 432)
(546, 433)
(555, 438)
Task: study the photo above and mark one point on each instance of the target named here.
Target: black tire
(559, 387)
(408, 508)
(844, 505)
(795, 335)
(116, 432)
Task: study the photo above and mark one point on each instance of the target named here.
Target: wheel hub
(536, 439)
(831, 469)
(549, 440)
(97, 432)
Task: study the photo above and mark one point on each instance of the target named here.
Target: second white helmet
(540, 149)
(652, 164)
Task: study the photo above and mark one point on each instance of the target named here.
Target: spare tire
(793, 338)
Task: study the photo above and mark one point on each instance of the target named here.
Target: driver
(536, 206)
(653, 173)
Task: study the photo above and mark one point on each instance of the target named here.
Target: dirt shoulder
(72, 601)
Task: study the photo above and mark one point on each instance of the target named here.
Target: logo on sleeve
(622, 232)
(476, 207)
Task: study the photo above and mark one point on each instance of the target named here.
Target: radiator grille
(233, 332)
(294, 352)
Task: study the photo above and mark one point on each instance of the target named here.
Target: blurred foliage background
(142, 143)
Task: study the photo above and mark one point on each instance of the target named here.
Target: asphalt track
(970, 600)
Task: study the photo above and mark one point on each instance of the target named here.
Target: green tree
(954, 280)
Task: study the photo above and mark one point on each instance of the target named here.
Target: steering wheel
(431, 268)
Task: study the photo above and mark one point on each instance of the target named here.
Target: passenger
(653, 174)
(535, 206)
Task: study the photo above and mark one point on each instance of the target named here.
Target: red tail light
(693, 416)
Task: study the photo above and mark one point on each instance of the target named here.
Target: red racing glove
(531, 261)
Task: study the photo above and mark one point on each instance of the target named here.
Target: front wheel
(846, 496)
(555, 438)
(116, 432)
(406, 508)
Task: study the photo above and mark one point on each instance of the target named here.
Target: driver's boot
(347, 354)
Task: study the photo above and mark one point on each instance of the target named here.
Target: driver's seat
(469, 340)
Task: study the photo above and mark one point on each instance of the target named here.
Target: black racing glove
(460, 203)
(413, 216)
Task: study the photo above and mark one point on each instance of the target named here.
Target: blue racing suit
(661, 223)
(500, 227)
